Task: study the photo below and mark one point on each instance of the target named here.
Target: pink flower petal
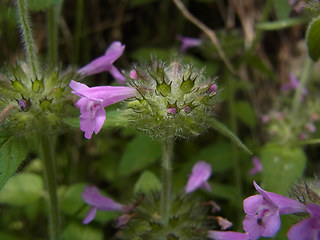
(188, 42)
(301, 231)
(93, 101)
(103, 63)
(115, 50)
(117, 75)
(251, 227)
(257, 166)
(201, 172)
(228, 235)
(286, 205)
(91, 195)
(90, 215)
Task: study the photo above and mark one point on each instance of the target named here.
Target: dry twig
(209, 32)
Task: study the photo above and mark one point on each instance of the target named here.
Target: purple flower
(93, 101)
(292, 85)
(308, 228)
(188, 42)
(105, 63)
(263, 212)
(201, 172)
(91, 195)
(227, 235)
(257, 166)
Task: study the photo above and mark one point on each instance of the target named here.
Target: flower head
(308, 228)
(92, 196)
(201, 172)
(263, 212)
(93, 101)
(188, 42)
(105, 63)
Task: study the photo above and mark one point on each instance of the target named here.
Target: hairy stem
(27, 35)
(166, 179)
(303, 80)
(49, 166)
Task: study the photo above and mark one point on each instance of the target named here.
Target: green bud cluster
(37, 105)
(188, 220)
(284, 128)
(175, 99)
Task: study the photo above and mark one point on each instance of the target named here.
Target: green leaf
(8, 236)
(218, 155)
(22, 190)
(258, 63)
(223, 191)
(147, 182)
(12, 152)
(277, 25)
(37, 5)
(313, 39)
(138, 154)
(282, 8)
(77, 231)
(282, 166)
(116, 118)
(224, 130)
(71, 199)
(245, 113)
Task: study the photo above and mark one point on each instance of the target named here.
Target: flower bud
(164, 89)
(18, 85)
(24, 104)
(37, 86)
(172, 110)
(45, 104)
(187, 85)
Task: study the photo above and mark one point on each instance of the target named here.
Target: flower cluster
(141, 220)
(282, 126)
(175, 99)
(37, 105)
(166, 99)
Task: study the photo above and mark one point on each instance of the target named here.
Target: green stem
(303, 80)
(49, 166)
(78, 30)
(53, 23)
(265, 14)
(234, 129)
(28, 37)
(166, 179)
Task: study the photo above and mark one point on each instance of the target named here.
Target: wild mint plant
(165, 101)
(172, 107)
